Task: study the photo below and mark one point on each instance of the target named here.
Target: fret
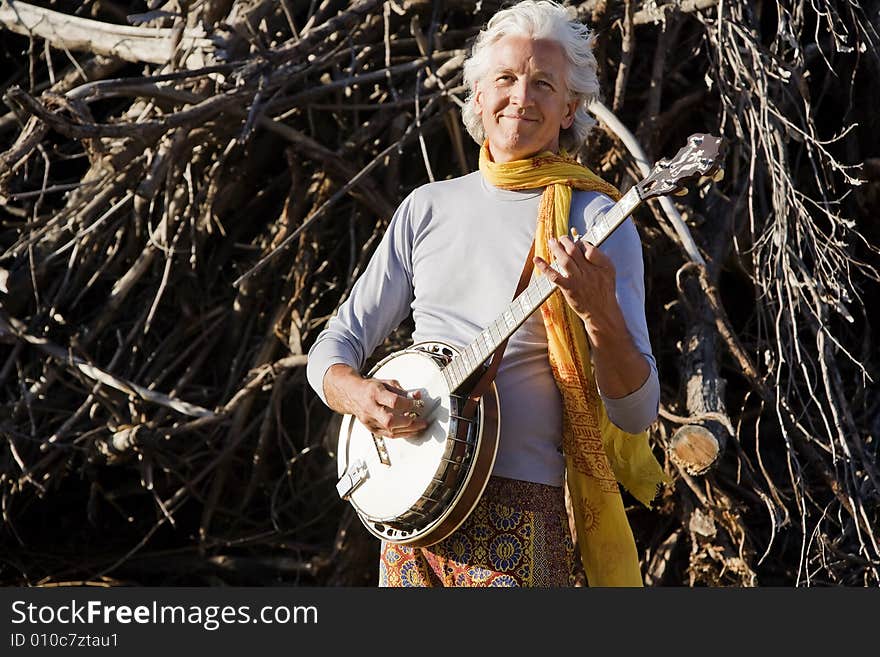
(474, 354)
(510, 315)
(531, 295)
(612, 220)
(493, 335)
(616, 215)
(465, 363)
(486, 350)
(458, 375)
(490, 341)
(477, 355)
(601, 228)
(527, 299)
(508, 319)
(476, 350)
(522, 307)
(544, 287)
(541, 288)
(447, 375)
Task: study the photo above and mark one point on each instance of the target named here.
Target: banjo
(417, 490)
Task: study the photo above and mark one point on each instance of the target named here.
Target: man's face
(523, 101)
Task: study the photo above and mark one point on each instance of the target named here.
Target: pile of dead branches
(190, 188)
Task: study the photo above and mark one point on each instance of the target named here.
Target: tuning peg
(718, 176)
(681, 191)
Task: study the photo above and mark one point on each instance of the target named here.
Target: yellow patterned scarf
(597, 453)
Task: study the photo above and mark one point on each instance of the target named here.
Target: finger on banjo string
(567, 257)
(395, 386)
(574, 248)
(558, 253)
(580, 241)
(405, 425)
(594, 256)
(413, 429)
(556, 277)
(567, 244)
(545, 269)
(394, 397)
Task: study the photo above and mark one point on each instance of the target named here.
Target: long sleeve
(635, 412)
(379, 301)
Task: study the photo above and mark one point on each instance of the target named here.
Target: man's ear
(478, 99)
(570, 110)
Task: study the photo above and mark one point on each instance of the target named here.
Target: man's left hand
(587, 280)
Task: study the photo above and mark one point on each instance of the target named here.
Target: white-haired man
(453, 254)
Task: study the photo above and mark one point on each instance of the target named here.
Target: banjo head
(393, 487)
(412, 490)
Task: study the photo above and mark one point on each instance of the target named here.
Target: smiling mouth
(518, 118)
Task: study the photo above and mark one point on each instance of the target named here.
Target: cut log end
(694, 448)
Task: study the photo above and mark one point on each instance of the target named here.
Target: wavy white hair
(539, 20)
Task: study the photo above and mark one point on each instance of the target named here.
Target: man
(453, 254)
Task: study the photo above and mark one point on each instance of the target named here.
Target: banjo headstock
(699, 157)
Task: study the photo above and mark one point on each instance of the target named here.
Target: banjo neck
(470, 359)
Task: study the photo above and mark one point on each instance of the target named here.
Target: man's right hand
(381, 405)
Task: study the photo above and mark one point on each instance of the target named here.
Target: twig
(9, 326)
(627, 46)
(132, 44)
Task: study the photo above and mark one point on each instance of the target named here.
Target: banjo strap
(489, 375)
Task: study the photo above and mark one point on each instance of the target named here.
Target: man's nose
(521, 93)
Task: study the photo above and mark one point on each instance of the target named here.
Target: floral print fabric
(517, 535)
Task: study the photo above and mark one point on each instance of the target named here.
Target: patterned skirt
(517, 535)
